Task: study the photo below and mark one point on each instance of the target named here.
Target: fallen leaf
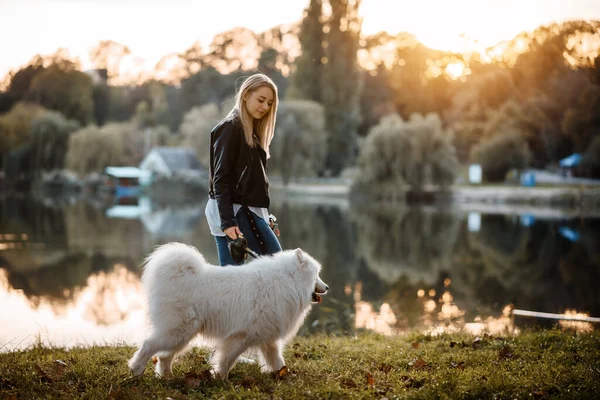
(193, 379)
(154, 360)
(349, 384)
(418, 363)
(43, 374)
(248, 382)
(282, 373)
(412, 383)
(385, 368)
(116, 394)
(370, 380)
(505, 353)
(415, 345)
(460, 365)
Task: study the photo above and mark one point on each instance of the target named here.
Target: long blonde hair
(266, 125)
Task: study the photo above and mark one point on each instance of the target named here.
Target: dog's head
(311, 267)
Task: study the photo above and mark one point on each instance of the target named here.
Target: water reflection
(70, 272)
(109, 309)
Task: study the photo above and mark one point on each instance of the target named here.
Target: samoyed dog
(260, 306)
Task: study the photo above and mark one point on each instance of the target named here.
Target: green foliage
(307, 76)
(66, 91)
(196, 127)
(500, 154)
(208, 86)
(93, 148)
(590, 163)
(15, 126)
(300, 142)
(413, 153)
(342, 84)
(49, 140)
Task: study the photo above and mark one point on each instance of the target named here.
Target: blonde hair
(265, 127)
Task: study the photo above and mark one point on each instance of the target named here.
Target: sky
(155, 28)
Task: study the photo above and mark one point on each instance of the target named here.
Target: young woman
(239, 187)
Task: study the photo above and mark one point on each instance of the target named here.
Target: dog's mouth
(316, 295)
(316, 298)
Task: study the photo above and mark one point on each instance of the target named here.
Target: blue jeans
(271, 241)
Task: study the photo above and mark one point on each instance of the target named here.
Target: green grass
(532, 365)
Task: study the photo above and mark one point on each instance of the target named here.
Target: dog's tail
(169, 261)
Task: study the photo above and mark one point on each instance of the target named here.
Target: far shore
(550, 201)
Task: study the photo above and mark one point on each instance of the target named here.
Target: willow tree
(342, 83)
(306, 80)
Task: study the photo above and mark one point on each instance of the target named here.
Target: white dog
(260, 305)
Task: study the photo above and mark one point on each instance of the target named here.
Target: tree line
(350, 105)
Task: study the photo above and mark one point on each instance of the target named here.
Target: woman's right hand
(233, 232)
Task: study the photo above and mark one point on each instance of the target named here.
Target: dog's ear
(300, 256)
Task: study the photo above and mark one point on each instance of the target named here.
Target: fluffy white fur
(260, 305)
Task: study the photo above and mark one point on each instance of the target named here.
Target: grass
(532, 365)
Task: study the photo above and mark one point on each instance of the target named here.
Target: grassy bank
(532, 365)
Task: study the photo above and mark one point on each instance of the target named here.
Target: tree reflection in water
(390, 268)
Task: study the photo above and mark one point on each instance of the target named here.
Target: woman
(239, 187)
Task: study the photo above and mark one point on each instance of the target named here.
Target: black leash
(239, 249)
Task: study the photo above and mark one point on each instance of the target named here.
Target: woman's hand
(233, 232)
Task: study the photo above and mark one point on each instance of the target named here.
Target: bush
(196, 127)
(500, 154)
(410, 153)
(299, 146)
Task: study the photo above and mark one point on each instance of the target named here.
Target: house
(167, 161)
(125, 181)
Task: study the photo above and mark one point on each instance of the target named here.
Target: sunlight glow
(109, 310)
(455, 70)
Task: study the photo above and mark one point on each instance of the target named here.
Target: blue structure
(126, 181)
(569, 233)
(528, 179)
(572, 161)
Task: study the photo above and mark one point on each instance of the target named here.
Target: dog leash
(239, 249)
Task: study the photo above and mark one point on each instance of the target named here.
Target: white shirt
(214, 219)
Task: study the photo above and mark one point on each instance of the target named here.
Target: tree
(342, 84)
(300, 142)
(195, 129)
(15, 126)
(108, 55)
(307, 76)
(19, 83)
(66, 91)
(413, 153)
(500, 154)
(49, 140)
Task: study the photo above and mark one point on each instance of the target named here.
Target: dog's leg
(163, 366)
(169, 342)
(226, 356)
(271, 358)
(137, 363)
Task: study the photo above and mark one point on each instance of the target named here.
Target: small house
(167, 161)
(125, 181)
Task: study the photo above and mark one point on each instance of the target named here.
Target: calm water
(69, 273)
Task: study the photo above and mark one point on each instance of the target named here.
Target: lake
(69, 271)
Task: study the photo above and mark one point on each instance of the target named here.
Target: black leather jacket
(238, 172)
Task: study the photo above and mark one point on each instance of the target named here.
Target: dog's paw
(217, 374)
(137, 370)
